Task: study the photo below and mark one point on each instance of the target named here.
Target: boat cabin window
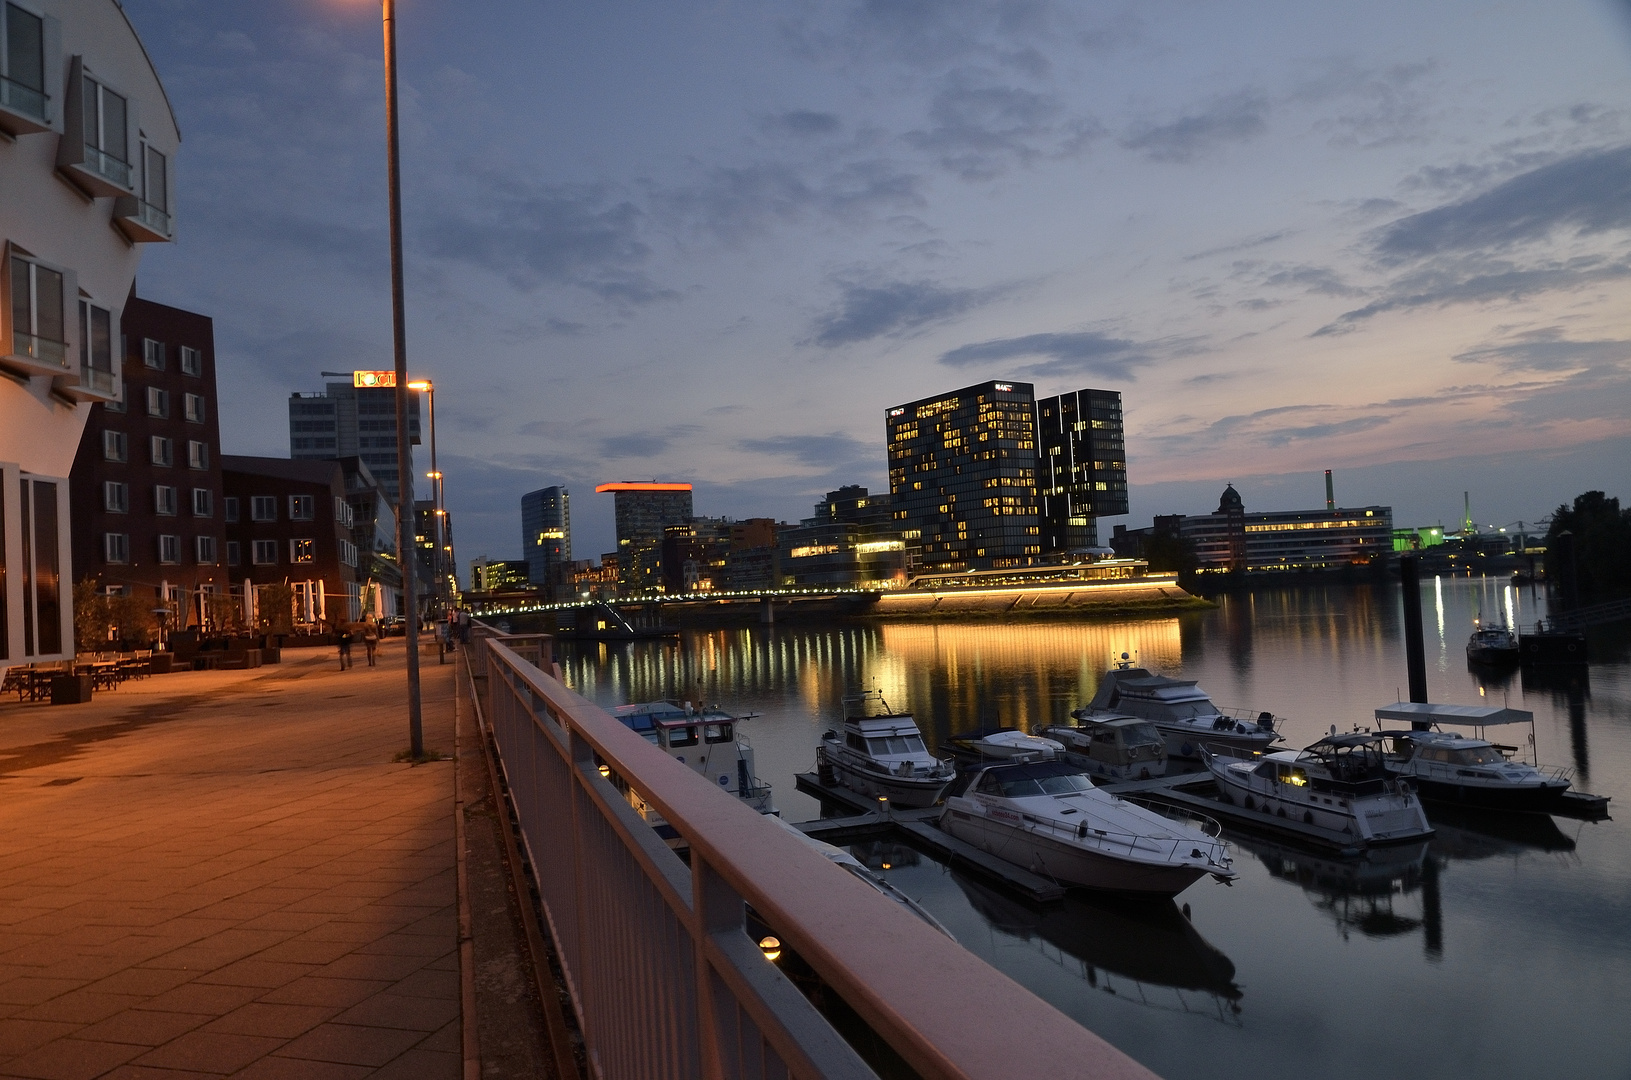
(717, 733)
(682, 736)
(1140, 736)
(1268, 769)
(854, 741)
(1065, 784)
(896, 744)
(1291, 774)
(1477, 755)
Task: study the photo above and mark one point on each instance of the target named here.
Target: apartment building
(289, 522)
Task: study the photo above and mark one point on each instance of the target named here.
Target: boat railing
(655, 954)
(1104, 839)
(1250, 716)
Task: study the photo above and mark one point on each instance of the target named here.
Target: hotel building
(87, 151)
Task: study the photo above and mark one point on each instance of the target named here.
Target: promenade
(226, 874)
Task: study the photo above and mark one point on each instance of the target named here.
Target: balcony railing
(107, 166)
(42, 351)
(654, 951)
(23, 99)
(98, 382)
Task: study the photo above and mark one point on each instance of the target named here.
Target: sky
(714, 242)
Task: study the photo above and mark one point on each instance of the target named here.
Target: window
(342, 512)
(234, 553)
(115, 447)
(302, 508)
(263, 508)
(193, 407)
(203, 502)
(169, 549)
(265, 552)
(115, 497)
(153, 354)
(192, 361)
(38, 321)
(96, 346)
(22, 63)
(205, 546)
(162, 450)
(229, 508)
(107, 132)
(302, 551)
(198, 454)
(156, 184)
(114, 406)
(348, 553)
(164, 500)
(158, 402)
(116, 547)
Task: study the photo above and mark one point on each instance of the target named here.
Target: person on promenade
(343, 638)
(370, 640)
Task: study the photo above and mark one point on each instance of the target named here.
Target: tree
(275, 604)
(91, 619)
(1601, 533)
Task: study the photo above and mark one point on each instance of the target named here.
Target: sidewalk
(225, 874)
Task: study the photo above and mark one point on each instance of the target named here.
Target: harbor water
(1500, 948)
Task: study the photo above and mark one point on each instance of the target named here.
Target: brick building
(288, 522)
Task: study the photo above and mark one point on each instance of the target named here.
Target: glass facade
(1081, 466)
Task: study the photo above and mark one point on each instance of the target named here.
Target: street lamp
(435, 475)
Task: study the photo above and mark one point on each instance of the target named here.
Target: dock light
(606, 770)
(771, 947)
(886, 866)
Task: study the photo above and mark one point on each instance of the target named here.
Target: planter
(69, 689)
(161, 663)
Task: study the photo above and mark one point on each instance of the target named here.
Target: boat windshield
(1467, 755)
(895, 744)
(1140, 736)
(1015, 784)
(1190, 710)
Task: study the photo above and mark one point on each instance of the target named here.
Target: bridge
(663, 975)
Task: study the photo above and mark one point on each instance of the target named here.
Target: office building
(354, 419)
(546, 533)
(438, 568)
(83, 186)
(1081, 463)
(962, 477)
(146, 482)
(495, 575)
(289, 523)
(850, 541)
(643, 511)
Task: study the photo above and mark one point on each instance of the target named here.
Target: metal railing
(20, 97)
(655, 953)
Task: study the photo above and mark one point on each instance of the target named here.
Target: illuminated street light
(437, 512)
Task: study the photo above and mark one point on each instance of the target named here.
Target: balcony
(23, 109)
(100, 173)
(90, 384)
(140, 220)
(31, 354)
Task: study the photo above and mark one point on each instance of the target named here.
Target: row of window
(301, 508)
(116, 549)
(116, 499)
(158, 405)
(154, 356)
(161, 450)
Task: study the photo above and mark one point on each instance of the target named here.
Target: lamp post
(404, 467)
(435, 475)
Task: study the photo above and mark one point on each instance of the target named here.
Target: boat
(843, 859)
(704, 738)
(1494, 645)
(1181, 710)
(1004, 744)
(1467, 770)
(1116, 748)
(1340, 783)
(1047, 817)
(1551, 646)
(883, 756)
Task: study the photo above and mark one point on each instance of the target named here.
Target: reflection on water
(1519, 922)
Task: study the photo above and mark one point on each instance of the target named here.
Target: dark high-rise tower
(1081, 466)
(643, 510)
(962, 477)
(546, 532)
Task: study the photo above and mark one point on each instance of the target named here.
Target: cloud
(865, 312)
(1585, 193)
(646, 444)
(803, 123)
(1082, 352)
(1284, 435)
(978, 127)
(734, 202)
(816, 451)
(925, 33)
(1236, 118)
(1548, 350)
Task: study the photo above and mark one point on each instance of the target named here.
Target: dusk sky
(715, 241)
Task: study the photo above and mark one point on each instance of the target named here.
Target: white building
(87, 145)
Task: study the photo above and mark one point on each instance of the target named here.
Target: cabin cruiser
(1181, 710)
(856, 868)
(1493, 645)
(1341, 783)
(883, 756)
(1047, 817)
(704, 738)
(1115, 748)
(1004, 744)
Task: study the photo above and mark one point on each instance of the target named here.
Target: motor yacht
(1047, 817)
(1182, 711)
(1115, 748)
(883, 756)
(1340, 783)
(1468, 770)
(704, 738)
(1496, 646)
(1004, 744)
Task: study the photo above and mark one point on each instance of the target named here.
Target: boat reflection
(1359, 892)
(1464, 834)
(880, 855)
(1150, 945)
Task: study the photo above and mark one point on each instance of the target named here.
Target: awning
(1421, 712)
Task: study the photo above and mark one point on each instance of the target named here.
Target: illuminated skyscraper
(962, 477)
(642, 511)
(546, 532)
(1081, 466)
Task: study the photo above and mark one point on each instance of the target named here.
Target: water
(1497, 949)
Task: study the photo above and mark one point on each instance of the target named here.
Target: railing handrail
(944, 1010)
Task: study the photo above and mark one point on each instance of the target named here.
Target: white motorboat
(1047, 817)
(883, 756)
(1005, 744)
(1181, 709)
(1340, 783)
(839, 857)
(707, 740)
(1496, 646)
(1116, 748)
(1468, 770)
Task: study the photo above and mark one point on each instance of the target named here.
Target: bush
(1602, 544)
(274, 606)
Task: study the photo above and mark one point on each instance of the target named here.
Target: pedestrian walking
(370, 640)
(344, 640)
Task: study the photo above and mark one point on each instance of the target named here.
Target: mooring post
(767, 611)
(1414, 652)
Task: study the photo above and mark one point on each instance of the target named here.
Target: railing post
(719, 910)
